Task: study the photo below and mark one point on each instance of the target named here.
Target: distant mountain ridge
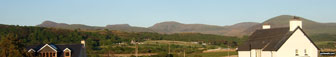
(175, 27)
(239, 29)
(120, 27)
(66, 26)
(168, 27)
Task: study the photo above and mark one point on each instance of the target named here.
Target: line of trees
(11, 46)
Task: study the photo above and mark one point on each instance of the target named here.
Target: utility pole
(108, 55)
(168, 48)
(228, 52)
(136, 49)
(184, 53)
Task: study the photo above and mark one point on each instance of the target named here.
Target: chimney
(83, 43)
(266, 26)
(294, 23)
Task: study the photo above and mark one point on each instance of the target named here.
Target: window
(47, 54)
(67, 53)
(43, 54)
(305, 51)
(296, 52)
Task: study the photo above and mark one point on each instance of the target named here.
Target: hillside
(127, 28)
(175, 27)
(120, 27)
(163, 27)
(239, 29)
(309, 26)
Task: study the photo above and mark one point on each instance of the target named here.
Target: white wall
(297, 41)
(274, 54)
(266, 54)
(253, 53)
(243, 53)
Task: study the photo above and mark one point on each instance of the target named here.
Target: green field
(325, 44)
(212, 54)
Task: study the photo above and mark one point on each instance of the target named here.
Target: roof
(268, 39)
(51, 46)
(31, 50)
(76, 49)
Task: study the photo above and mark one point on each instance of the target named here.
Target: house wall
(263, 53)
(297, 41)
(266, 54)
(243, 53)
(253, 53)
(256, 52)
(274, 54)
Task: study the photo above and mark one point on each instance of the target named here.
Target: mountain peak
(166, 24)
(47, 23)
(169, 22)
(118, 25)
(283, 21)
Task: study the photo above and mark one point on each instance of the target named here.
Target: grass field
(326, 44)
(323, 42)
(171, 42)
(212, 54)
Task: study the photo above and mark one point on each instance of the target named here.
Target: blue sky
(145, 13)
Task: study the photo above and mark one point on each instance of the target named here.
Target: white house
(289, 41)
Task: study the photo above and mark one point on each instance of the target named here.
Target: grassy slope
(183, 43)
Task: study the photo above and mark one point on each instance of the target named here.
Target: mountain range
(239, 29)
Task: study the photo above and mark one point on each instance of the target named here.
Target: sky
(145, 13)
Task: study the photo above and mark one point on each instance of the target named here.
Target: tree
(11, 46)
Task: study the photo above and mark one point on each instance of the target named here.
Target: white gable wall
(256, 52)
(266, 54)
(297, 41)
(253, 53)
(263, 53)
(244, 53)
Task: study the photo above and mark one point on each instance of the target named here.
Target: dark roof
(268, 39)
(76, 49)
